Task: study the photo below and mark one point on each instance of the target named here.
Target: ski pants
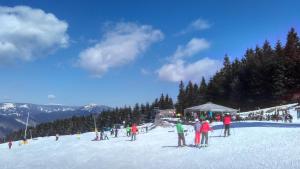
(133, 136)
(204, 138)
(227, 130)
(197, 138)
(181, 139)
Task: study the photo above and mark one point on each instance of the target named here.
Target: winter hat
(207, 121)
(196, 120)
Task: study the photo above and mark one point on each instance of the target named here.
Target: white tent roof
(210, 107)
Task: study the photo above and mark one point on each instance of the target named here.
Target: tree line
(264, 76)
(140, 113)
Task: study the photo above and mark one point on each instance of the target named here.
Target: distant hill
(13, 115)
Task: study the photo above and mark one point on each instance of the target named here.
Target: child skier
(56, 137)
(205, 128)
(9, 144)
(97, 137)
(197, 127)
(133, 132)
(226, 122)
(180, 132)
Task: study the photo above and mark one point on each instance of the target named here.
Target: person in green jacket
(128, 130)
(180, 132)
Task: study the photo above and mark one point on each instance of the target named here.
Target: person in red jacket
(9, 144)
(205, 128)
(227, 122)
(133, 132)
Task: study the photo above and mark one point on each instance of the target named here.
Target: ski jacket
(205, 128)
(179, 128)
(134, 129)
(197, 126)
(227, 120)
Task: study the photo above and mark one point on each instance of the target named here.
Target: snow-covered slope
(252, 145)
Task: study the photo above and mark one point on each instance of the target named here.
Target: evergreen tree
(292, 60)
(202, 92)
(180, 106)
(279, 79)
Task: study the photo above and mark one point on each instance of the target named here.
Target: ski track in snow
(247, 148)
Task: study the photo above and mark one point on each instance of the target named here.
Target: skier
(128, 129)
(146, 129)
(9, 144)
(116, 131)
(97, 137)
(180, 132)
(210, 116)
(105, 136)
(78, 135)
(56, 137)
(226, 122)
(112, 132)
(202, 117)
(197, 127)
(205, 128)
(133, 132)
(102, 134)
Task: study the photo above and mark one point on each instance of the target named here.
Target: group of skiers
(201, 128)
(130, 131)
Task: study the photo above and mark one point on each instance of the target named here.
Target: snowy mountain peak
(24, 106)
(89, 106)
(7, 106)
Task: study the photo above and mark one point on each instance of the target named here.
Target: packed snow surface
(252, 145)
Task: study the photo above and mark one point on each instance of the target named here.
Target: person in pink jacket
(205, 128)
(197, 127)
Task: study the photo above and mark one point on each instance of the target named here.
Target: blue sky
(116, 52)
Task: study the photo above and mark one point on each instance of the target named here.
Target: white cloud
(180, 70)
(51, 96)
(145, 71)
(197, 25)
(27, 33)
(200, 24)
(192, 47)
(121, 44)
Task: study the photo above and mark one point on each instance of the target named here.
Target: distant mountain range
(13, 115)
